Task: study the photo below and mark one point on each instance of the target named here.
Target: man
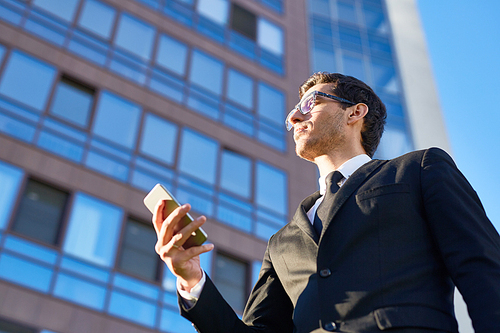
(382, 253)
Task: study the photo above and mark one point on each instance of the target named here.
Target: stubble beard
(320, 144)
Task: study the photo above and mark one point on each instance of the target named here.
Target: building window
(8, 327)
(270, 191)
(10, 180)
(62, 9)
(214, 10)
(230, 277)
(40, 212)
(236, 173)
(347, 12)
(354, 66)
(137, 253)
(172, 55)
(243, 21)
(93, 230)
(195, 148)
(135, 36)
(117, 120)
(73, 102)
(27, 80)
(270, 37)
(271, 104)
(159, 138)
(97, 18)
(207, 72)
(240, 88)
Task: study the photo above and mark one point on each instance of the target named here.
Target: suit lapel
(352, 183)
(300, 218)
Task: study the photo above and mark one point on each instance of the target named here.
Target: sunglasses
(307, 104)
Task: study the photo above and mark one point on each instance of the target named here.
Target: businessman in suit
(379, 248)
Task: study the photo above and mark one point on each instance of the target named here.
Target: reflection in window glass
(10, 179)
(80, 291)
(256, 266)
(25, 273)
(394, 108)
(230, 277)
(379, 46)
(270, 189)
(97, 17)
(40, 213)
(215, 10)
(319, 8)
(270, 37)
(135, 36)
(159, 138)
(171, 321)
(350, 38)
(207, 72)
(94, 227)
(236, 173)
(323, 61)
(72, 102)
(354, 67)
(384, 76)
(137, 254)
(63, 9)
(395, 142)
(198, 156)
(117, 120)
(271, 104)
(172, 54)
(27, 80)
(347, 12)
(132, 308)
(240, 88)
(374, 18)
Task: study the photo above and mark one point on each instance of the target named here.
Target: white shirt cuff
(190, 298)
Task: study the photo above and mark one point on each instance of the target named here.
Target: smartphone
(158, 193)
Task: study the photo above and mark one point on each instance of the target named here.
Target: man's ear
(357, 112)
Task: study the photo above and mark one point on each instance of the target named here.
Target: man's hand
(184, 264)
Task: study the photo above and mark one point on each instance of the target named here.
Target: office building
(102, 99)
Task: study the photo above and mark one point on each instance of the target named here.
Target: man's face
(322, 130)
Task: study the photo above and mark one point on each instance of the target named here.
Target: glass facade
(90, 267)
(353, 37)
(89, 251)
(116, 137)
(124, 45)
(96, 254)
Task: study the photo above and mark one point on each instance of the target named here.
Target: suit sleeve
(469, 244)
(268, 310)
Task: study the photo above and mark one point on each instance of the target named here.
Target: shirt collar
(346, 169)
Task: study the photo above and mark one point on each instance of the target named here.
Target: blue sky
(463, 39)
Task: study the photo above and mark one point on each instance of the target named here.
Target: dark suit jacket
(401, 234)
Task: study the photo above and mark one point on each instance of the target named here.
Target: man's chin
(303, 153)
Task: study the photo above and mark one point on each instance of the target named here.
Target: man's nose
(296, 116)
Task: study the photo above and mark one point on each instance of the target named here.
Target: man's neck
(328, 163)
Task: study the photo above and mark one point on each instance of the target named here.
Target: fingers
(182, 235)
(157, 218)
(171, 232)
(163, 224)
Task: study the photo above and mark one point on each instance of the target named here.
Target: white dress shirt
(346, 169)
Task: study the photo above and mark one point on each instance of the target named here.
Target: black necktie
(322, 212)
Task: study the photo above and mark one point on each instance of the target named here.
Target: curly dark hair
(357, 91)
